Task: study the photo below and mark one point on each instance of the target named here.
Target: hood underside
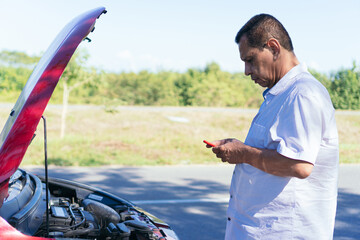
(25, 116)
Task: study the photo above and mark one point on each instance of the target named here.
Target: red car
(33, 207)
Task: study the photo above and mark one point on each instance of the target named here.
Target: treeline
(196, 87)
(344, 87)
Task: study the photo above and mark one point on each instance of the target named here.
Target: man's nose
(247, 69)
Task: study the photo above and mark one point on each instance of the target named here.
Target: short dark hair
(260, 28)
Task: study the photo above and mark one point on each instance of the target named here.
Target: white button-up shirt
(297, 119)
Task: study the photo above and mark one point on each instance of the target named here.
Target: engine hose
(79, 232)
(67, 227)
(82, 221)
(72, 215)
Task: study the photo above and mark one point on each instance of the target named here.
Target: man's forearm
(234, 151)
(272, 162)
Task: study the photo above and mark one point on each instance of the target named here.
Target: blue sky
(177, 35)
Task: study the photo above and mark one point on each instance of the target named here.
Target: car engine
(91, 219)
(76, 211)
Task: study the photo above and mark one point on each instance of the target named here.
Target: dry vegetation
(150, 136)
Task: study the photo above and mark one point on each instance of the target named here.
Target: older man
(284, 184)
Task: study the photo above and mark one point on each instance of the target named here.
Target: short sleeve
(299, 128)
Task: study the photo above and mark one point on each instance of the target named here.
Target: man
(284, 184)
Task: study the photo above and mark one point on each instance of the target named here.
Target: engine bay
(75, 211)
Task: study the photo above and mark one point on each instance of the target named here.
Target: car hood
(25, 116)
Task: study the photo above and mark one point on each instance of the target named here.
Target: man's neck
(287, 61)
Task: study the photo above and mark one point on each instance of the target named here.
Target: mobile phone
(209, 143)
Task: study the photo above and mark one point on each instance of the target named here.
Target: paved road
(193, 199)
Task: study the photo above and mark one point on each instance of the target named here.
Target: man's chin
(262, 84)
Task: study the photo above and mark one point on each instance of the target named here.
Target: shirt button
(229, 219)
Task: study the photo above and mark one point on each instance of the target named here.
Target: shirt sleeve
(299, 128)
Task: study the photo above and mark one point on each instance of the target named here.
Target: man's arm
(270, 161)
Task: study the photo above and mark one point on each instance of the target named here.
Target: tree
(74, 76)
(345, 88)
(15, 69)
(214, 87)
(18, 59)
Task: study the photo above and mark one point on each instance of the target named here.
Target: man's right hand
(230, 150)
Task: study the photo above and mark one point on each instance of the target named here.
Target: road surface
(193, 199)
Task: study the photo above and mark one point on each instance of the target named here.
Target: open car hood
(38, 208)
(25, 116)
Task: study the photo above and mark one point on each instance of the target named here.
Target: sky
(172, 35)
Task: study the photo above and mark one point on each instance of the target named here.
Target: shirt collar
(286, 80)
(265, 92)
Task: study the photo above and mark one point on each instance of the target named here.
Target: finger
(218, 143)
(222, 158)
(216, 150)
(209, 144)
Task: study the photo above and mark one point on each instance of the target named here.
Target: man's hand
(230, 150)
(234, 151)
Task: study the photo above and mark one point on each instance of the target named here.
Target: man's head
(261, 28)
(266, 49)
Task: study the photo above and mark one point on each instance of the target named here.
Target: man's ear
(274, 46)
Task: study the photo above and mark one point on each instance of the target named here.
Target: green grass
(146, 136)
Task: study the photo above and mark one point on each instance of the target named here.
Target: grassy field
(154, 136)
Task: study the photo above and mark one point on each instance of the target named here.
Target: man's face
(259, 64)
